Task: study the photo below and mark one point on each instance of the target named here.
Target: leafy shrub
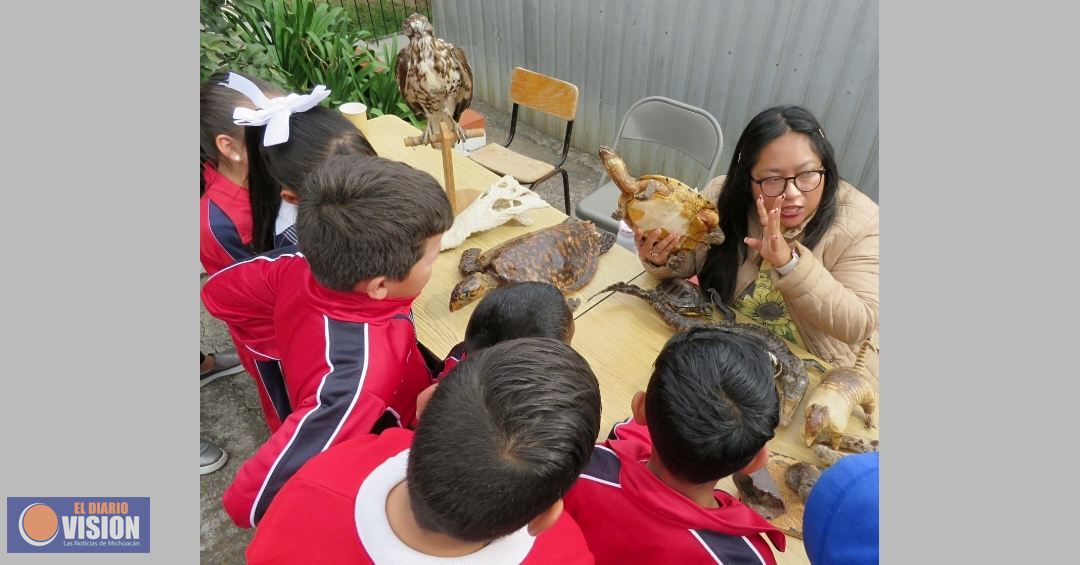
(299, 44)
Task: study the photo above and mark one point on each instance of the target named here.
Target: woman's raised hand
(772, 247)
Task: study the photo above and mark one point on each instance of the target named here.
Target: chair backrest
(546, 94)
(688, 129)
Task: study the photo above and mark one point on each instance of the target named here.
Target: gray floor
(230, 414)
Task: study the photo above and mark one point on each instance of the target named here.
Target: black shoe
(211, 457)
(225, 363)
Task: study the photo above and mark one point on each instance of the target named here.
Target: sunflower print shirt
(764, 304)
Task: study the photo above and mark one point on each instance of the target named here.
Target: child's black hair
(711, 403)
(527, 309)
(365, 217)
(503, 438)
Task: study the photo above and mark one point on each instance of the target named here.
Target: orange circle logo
(38, 524)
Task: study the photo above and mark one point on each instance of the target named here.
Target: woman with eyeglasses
(800, 254)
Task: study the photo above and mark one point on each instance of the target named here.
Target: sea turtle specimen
(792, 379)
(565, 255)
(654, 201)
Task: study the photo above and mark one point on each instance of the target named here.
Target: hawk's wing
(405, 57)
(463, 96)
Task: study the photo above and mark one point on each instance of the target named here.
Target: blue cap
(840, 523)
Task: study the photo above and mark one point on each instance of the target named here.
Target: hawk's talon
(460, 131)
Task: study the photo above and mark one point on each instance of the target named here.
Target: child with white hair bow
(287, 137)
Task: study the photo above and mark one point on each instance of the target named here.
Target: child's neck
(403, 523)
(700, 494)
(235, 174)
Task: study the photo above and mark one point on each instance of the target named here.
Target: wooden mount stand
(445, 140)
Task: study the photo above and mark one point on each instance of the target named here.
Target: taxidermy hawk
(434, 77)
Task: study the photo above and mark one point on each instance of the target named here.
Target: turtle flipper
(677, 259)
(470, 261)
(647, 192)
(607, 241)
(715, 237)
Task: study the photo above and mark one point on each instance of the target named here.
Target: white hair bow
(273, 112)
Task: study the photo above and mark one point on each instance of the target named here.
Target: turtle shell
(678, 210)
(565, 255)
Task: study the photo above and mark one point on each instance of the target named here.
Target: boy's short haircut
(527, 309)
(503, 438)
(711, 403)
(365, 217)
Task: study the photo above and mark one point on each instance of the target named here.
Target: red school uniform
(225, 233)
(350, 366)
(457, 355)
(628, 515)
(333, 511)
(224, 222)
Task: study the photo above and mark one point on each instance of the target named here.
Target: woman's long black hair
(736, 200)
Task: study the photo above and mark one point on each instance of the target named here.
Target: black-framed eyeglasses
(806, 181)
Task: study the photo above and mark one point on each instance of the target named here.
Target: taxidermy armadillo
(831, 403)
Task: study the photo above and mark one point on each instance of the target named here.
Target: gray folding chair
(657, 119)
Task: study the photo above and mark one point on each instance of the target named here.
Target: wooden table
(437, 327)
(387, 133)
(619, 335)
(621, 338)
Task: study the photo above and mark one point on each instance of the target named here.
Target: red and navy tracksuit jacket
(225, 233)
(349, 365)
(333, 511)
(628, 515)
(224, 222)
(457, 355)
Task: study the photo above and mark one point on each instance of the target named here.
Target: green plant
(299, 44)
(220, 48)
(219, 51)
(210, 16)
(311, 43)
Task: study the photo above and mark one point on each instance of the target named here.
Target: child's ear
(758, 462)
(546, 520)
(423, 398)
(375, 288)
(637, 407)
(230, 149)
(289, 195)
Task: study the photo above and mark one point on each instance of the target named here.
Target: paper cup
(355, 112)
